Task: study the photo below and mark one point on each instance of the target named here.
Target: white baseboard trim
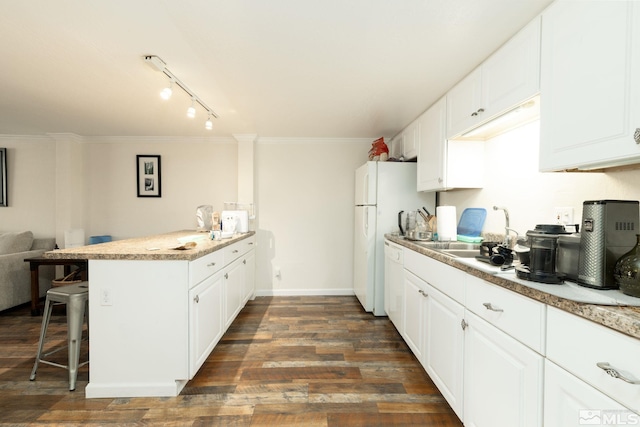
(303, 292)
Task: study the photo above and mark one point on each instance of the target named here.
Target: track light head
(191, 111)
(208, 125)
(167, 91)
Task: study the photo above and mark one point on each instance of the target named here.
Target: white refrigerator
(382, 190)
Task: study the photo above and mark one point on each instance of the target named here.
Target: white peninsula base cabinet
(154, 322)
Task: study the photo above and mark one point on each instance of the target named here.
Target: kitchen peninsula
(156, 312)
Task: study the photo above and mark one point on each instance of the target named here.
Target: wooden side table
(34, 265)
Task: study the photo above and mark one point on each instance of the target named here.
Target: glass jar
(627, 271)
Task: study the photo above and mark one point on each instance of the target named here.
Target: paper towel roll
(447, 228)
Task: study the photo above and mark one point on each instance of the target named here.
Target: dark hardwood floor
(285, 361)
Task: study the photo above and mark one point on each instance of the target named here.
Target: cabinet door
(570, 402)
(431, 148)
(249, 276)
(205, 320)
(590, 84)
(414, 308)
(234, 290)
(443, 347)
(393, 284)
(464, 104)
(503, 379)
(512, 74)
(410, 141)
(397, 145)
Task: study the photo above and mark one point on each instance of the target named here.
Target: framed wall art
(3, 177)
(148, 171)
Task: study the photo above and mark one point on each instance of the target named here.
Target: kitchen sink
(453, 249)
(460, 253)
(446, 246)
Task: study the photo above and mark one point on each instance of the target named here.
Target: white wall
(31, 185)
(513, 181)
(305, 209)
(193, 173)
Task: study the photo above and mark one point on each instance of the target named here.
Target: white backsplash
(512, 180)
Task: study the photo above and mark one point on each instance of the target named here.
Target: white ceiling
(278, 68)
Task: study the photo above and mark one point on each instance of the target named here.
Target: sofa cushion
(11, 243)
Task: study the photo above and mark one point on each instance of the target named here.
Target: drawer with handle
(236, 250)
(203, 267)
(519, 316)
(606, 359)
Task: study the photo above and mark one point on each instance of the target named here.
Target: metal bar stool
(76, 297)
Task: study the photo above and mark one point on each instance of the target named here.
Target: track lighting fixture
(191, 111)
(167, 91)
(159, 65)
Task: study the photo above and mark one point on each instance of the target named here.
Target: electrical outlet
(563, 216)
(105, 297)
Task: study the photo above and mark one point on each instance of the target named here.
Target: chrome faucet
(507, 238)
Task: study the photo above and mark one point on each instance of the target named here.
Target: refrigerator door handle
(365, 186)
(365, 214)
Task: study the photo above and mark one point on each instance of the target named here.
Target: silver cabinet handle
(463, 324)
(475, 113)
(614, 373)
(211, 264)
(636, 135)
(423, 293)
(235, 251)
(226, 276)
(492, 308)
(244, 261)
(250, 243)
(197, 299)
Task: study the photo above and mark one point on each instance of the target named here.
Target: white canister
(447, 227)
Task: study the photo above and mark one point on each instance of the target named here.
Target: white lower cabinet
(205, 320)
(483, 366)
(569, 402)
(414, 313)
(249, 263)
(502, 359)
(502, 378)
(234, 289)
(394, 284)
(215, 302)
(603, 359)
(443, 353)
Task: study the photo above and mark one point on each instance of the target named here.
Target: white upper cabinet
(396, 146)
(443, 164)
(590, 85)
(464, 104)
(508, 77)
(431, 149)
(410, 141)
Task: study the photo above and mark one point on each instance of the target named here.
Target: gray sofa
(15, 276)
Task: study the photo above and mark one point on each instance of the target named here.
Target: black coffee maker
(543, 248)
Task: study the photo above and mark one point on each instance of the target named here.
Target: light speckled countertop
(149, 248)
(622, 319)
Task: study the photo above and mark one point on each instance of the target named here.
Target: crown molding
(307, 140)
(158, 140)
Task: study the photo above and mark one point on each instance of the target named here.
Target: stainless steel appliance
(568, 256)
(543, 248)
(609, 230)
